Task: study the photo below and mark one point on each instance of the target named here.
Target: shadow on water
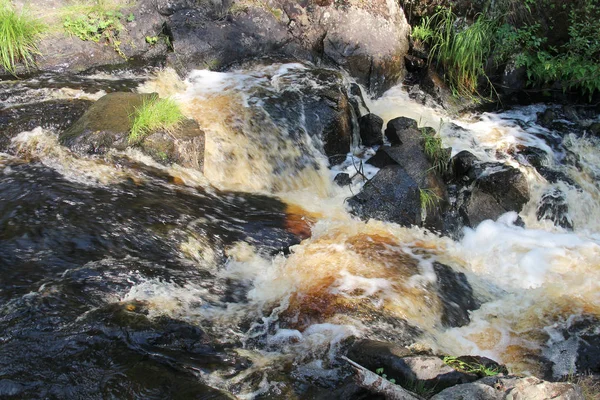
(69, 253)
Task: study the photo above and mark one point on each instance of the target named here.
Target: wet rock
(54, 114)
(183, 146)
(357, 100)
(107, 123)
(554, 207)
(343, 179)
(546, 118)
(314, 101)
(456, 295)
(498, 189)
(368, 40)
(381, 158)
(396, 128)
(202, 41)
(553, 176)
(594, 129)
(392, 195)
(370, 130)
(535, 156)
(462, 167)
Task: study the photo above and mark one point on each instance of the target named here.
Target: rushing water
(120, 277)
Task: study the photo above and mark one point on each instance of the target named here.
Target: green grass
(429, 199)
(432, 145)
(470, 368)
(153, 115)
(19, 34)
(99, 21)
(460, 52)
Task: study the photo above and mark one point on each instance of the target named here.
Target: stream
(124, 278)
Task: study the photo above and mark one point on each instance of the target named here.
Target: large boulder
(107, 123)
(485, 190)
(370, 130)
(392, 195)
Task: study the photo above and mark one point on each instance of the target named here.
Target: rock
(429, 372)
(507, 185)
(52, 114)
(395, 129)
(170, 7)
(373, 354)
(514, 79)
(342, 179)
(183, 146)
(470, 391)
(106, 125)
(60, 52)
(357, 100)
(535, 156)
(515, 388)
(554, 207)
(462, 167)
(370, 130)
(594, 129)
(392, 195)
(314, 100)
(481, 206)
(202, 41)
(553, 176)
(456, 295)
(381, 158)
(546, 118)
(369, 40)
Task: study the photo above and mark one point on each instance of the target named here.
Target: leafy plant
(380, 371)
(97, 26)
(460, 51)
(154, 114)
(470, 368)
(19, 34)
(152, 40)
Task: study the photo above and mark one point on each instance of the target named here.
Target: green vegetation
(154, 114)
(432, 145)
(460, 51)
(96, 21)
(19, 34)
(556, 41)
(470, 368)
(380, 371)
(429, 199)
(574, 63)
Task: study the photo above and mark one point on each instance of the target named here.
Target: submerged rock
(553, 206)
(107, 123)
(392, 195)
(53, 114)
(456, 295)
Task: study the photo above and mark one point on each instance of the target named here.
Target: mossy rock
(107, 123)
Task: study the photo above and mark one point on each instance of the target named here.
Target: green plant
(460, 51)
(429, 199)
(154, 114)
(470, 368)
(152, 40)
(19, 34)
(432, 145)
(131, 17)
(97, 26)
(380, 371)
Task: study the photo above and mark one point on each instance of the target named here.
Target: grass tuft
(429, 199)
(19, 33)
(432, 145)
(154, 114)
(460, 51)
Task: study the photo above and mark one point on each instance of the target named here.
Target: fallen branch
(376, 384)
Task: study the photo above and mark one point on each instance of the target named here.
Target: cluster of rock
(418, 375)
(368, 39)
